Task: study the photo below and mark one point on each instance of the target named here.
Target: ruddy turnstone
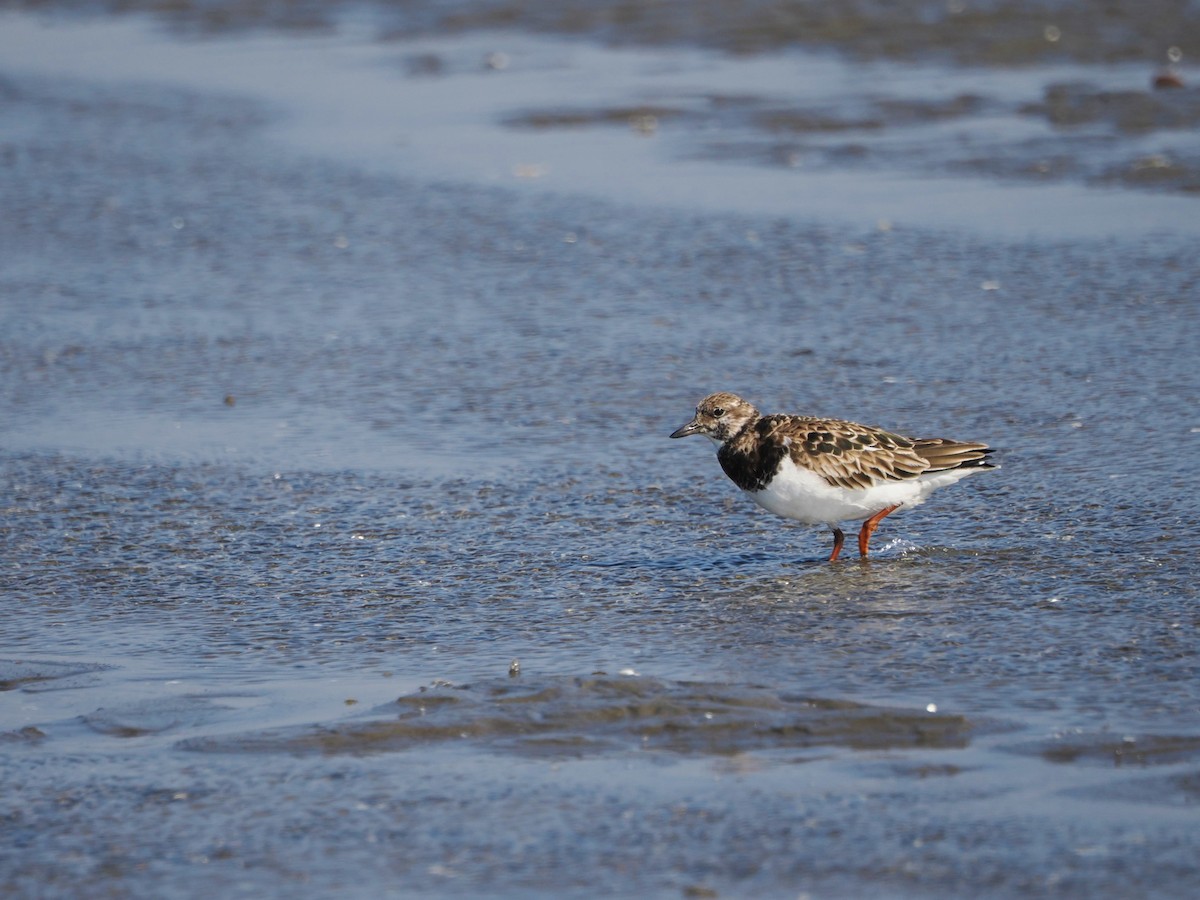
(826, 471)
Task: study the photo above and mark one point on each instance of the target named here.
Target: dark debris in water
(641, 118)
(581, 716)
(1002, 32)
(1119, 750)
(1097, 136)
(28, 674)
(30, 734)
(1071, 104)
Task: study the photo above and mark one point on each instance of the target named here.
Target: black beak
(692, 427)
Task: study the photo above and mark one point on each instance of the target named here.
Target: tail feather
(943, 454)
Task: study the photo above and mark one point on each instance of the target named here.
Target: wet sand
(307, 438)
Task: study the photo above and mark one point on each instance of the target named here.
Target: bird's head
(719, 416)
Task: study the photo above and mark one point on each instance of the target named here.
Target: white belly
(797, 493)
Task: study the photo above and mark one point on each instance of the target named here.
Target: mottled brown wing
(850, 455)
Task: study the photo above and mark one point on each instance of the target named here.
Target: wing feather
(855, 456)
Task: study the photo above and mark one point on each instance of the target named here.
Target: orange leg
(869, 526)
(838, 539)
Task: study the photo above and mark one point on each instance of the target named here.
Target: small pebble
(1168, 78)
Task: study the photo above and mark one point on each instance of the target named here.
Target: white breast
(797, 493)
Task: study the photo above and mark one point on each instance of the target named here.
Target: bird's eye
(718, 411)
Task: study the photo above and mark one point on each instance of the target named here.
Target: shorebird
(827, 471)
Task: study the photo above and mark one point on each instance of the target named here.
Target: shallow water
(302, 448)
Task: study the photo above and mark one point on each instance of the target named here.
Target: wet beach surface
(312, 424)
